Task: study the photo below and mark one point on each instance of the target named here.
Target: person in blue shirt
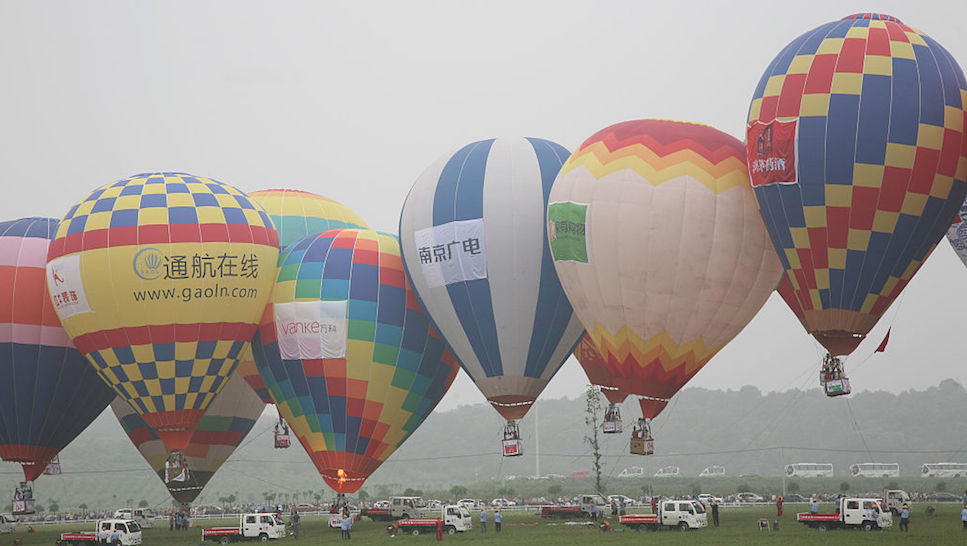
(346, 525)
(963, 517)
(497, 520)
(814, 506)
(839, 501)
(905, 519)
(483, 519)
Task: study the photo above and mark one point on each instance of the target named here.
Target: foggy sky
(353, 100)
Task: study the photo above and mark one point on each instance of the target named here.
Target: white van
(144, 516)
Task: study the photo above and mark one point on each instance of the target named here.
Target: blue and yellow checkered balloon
(160, 279)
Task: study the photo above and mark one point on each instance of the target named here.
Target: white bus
(713, 471)
(874, 470)
(809, 470)
(668, 472)
(943, 470)
(632, 472)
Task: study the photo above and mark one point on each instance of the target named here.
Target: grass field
(738, 526)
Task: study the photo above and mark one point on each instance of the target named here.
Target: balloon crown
(873, 16)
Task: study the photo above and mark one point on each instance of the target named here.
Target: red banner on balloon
(772, 154)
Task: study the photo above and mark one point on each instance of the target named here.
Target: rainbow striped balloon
(295, 214)
(351, 360)
(228, 420)
(48, 392)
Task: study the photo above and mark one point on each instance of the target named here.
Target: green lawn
(738, 526)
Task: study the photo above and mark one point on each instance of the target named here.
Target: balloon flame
(342, 476)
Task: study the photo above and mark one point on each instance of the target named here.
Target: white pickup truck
(451, 518)
(683, 514)
(854, 512)
(261, 527)
(129, 530)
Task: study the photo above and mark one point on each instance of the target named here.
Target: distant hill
(741, 430)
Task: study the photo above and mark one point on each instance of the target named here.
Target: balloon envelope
(225, 424)
(858, 157)
(167, 276)
(596, 368)
(48, 392)
(475, 249)
(295, 214)
(351, 362)
(659, 247)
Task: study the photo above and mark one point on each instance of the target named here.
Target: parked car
(470, 504)
(706, 499)
(749, 497)
(792, 497)
(943, 497)
(618, 498)
(306, 507)
(503, 502)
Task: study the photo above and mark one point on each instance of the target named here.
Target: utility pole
(782, 472)
(537, 439)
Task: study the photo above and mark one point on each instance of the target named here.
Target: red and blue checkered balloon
(857, 151)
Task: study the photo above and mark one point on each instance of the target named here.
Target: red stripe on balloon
(167, 333)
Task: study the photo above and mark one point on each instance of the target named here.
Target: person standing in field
(483, 519)
(715, 512)
(779, 502)
(294, 520)
(346, 525)
(497, 520)
(963, 517)
(905, 519)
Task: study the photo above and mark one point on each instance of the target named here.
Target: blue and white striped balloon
(475, 247)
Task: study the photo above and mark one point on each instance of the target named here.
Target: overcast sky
(353, 100)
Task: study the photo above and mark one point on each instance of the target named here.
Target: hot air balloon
(351, 360)
(295, 214)
(474, 247)
(48, 392)
(225, 424)
(858, 157)
(167, 276)
(596, 368)
(957, 233)
(659, 247)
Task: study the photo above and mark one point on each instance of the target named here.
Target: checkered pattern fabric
(881, 163)
(226, 423)
(166, 332)
(352, 413)
(295, 214)
(177, 204)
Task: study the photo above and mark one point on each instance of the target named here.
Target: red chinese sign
(771, 152)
